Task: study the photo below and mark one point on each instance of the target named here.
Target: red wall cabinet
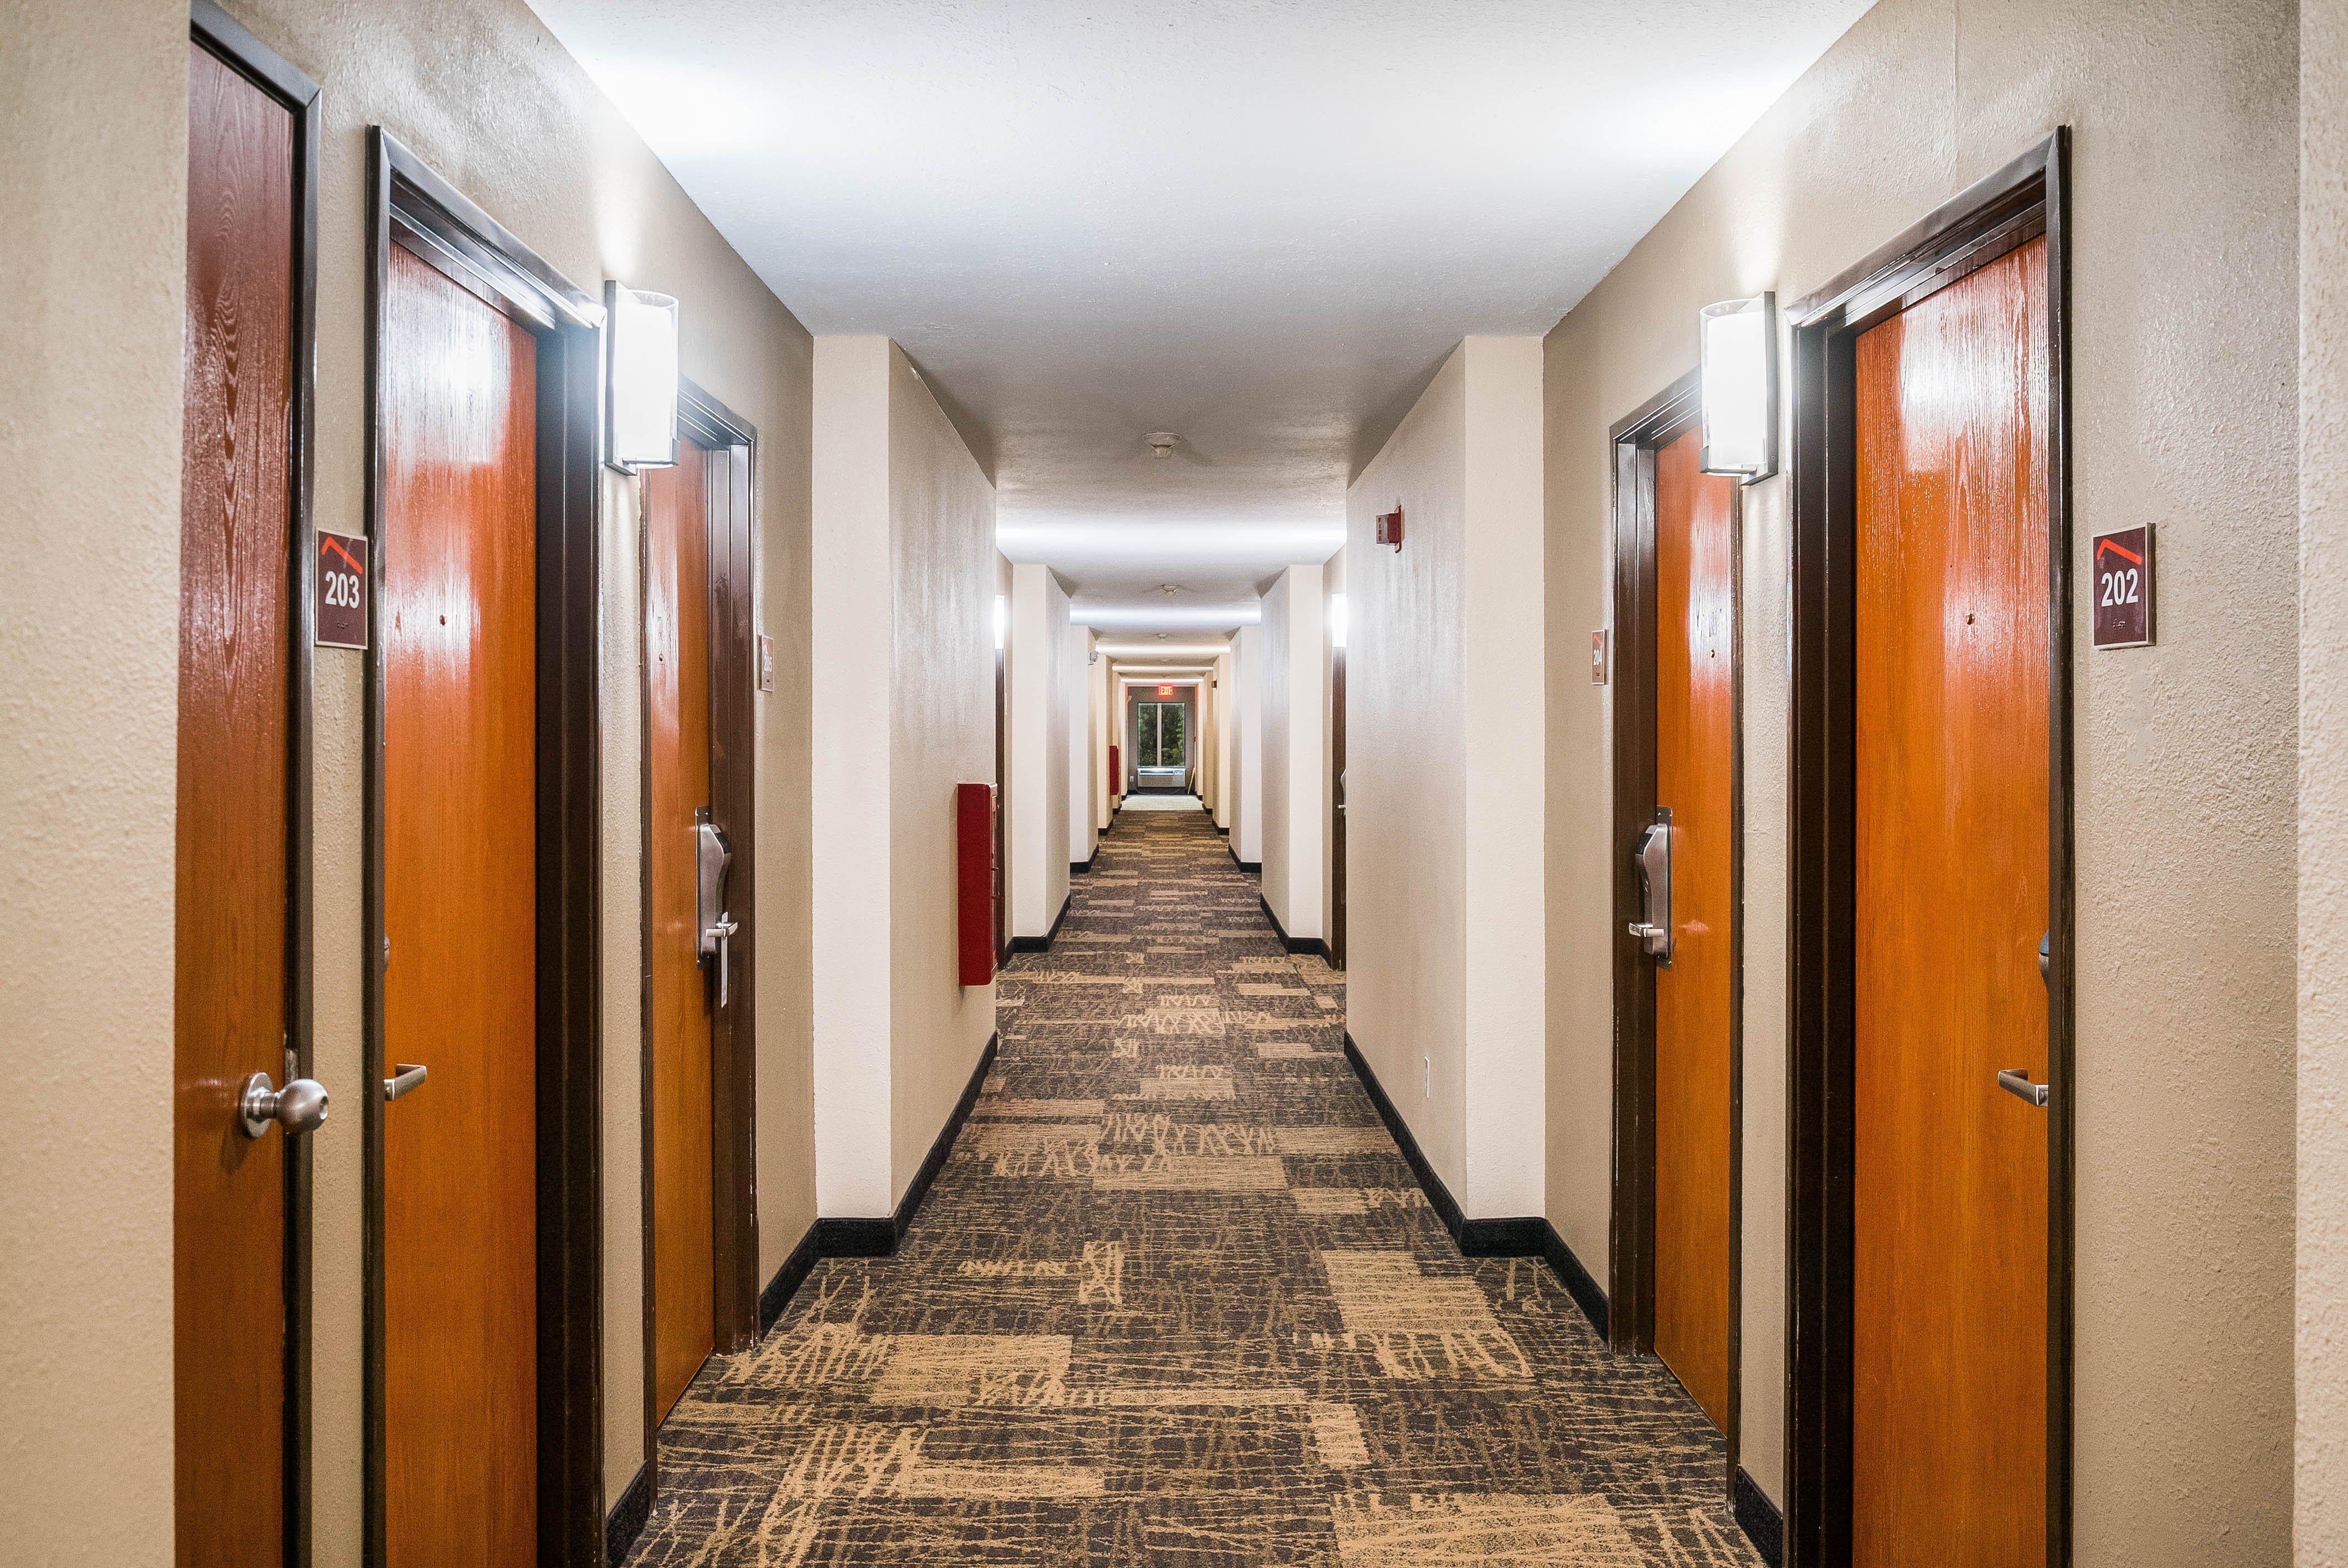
(974, 880)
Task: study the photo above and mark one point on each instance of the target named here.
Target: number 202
(2120, 587)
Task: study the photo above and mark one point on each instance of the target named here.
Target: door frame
(411, 205)
(2027, 197)
(1632, 444)
(734, 797)
(231, 43)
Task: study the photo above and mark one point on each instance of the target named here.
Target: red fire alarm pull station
(974, 880)
(2123, 577)
(1390, 527)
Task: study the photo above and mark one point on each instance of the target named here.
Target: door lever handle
(409, 1075)
(2015, 1081)
(717, 944)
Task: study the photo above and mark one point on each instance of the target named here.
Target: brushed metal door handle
(2015, 1081)
(299, 1107)
(407, 1075)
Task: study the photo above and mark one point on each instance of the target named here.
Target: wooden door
(1695, 718)
(1337, 792)
(230, 960)
(677, 755)
(1949, 1196)
(458, 816)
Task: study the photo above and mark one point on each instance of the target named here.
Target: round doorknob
(299, 1107)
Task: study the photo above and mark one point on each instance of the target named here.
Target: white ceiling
(1257, 224)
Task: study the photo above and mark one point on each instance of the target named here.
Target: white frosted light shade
(1739, 362)
(1336, 621)
(1002, 622)
(643, 383)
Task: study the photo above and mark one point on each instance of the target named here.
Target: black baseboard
(1043, 944)
(1529, 1235)
(627, 1519)
(1587, 1293)
(1078, 868)
(1293, 943)
(880, 1237)
(1244, 865)
(1759, 1519)
(788, 1280)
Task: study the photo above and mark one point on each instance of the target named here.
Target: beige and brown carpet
(1176, 1299)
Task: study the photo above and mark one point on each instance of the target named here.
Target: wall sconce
(640, 378)
(1002, 622)
(1337, 621)
(1738, 347)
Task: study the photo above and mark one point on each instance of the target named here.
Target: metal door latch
(713, 858)
(2015, 1081)
(1654, 860)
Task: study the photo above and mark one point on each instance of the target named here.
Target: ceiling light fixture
(1162, 443)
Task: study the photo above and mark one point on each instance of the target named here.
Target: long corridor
(1176, 1299)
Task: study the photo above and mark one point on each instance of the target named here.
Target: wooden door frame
(233, 45)
(410, 205)
(2026, 199)
(1632, 444)
(734, 796)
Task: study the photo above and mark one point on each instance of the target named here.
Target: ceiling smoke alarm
(1161, 442)
(1169, 590)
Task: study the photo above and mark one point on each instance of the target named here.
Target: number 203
(341, 590)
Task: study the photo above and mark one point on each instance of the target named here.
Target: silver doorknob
(299, 1107)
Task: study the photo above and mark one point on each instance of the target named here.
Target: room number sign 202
(342, 608)
(2123, 585)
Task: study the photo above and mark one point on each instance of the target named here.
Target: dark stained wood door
(231, 959)
(457, 622)
(1337, 827)
(1695, 718)
(677, 753)
(1950, 1199)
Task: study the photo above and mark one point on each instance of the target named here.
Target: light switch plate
(1598, 659)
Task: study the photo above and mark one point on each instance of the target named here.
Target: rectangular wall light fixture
(1738, 347)
(640, 379)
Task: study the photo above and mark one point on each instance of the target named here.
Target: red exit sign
(1166, 691)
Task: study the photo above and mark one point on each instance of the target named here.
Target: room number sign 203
(342, 606)
(2123, 585)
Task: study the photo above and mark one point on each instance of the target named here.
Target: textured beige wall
(941, 528)
(93, 155)
(1295, 751)
(481, 92)
(2322, 1292)
(1444, 764)
(1405, 736)
(2183, 339)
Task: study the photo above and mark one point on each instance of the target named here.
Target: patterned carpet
(1176, 1299)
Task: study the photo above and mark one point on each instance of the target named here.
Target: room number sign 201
(342, 606)
(2123, 585)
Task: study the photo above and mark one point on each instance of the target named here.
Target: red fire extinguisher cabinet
(974, 880)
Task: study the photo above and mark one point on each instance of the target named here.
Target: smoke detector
(1169, 590)
(1162, 443)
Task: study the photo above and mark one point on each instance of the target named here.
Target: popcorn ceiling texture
(1177, 1299)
